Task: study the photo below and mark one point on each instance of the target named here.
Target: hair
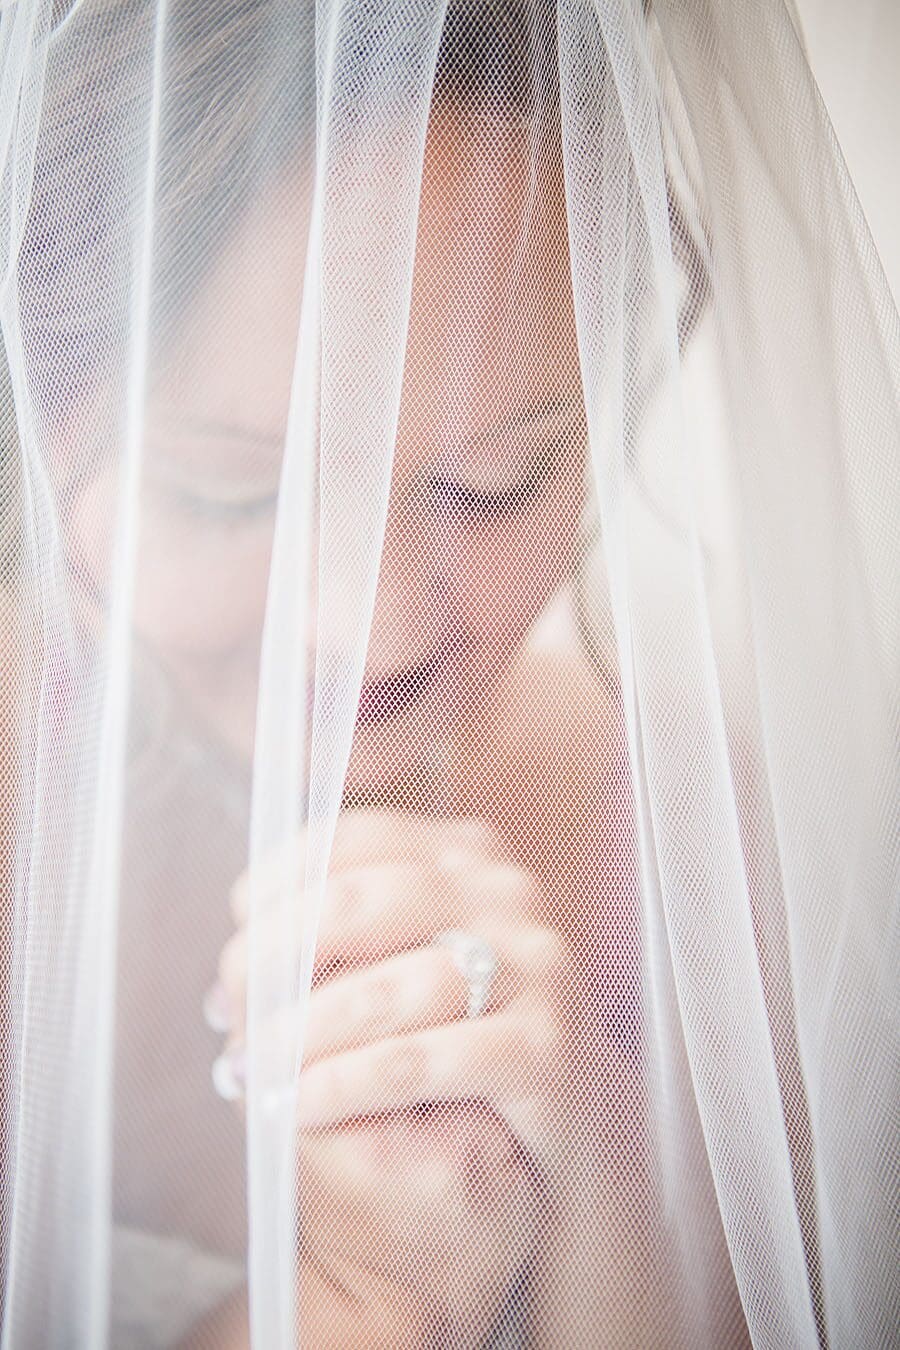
(239, 108)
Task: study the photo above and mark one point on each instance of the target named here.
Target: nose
(411, 618)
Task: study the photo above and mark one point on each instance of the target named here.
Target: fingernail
(229, 1074)
(216, 1009)
(280, 1099)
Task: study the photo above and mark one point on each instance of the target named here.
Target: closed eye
(449, 497)
(223, 508)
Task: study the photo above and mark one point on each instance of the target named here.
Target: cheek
(200, 587)
(197, 592)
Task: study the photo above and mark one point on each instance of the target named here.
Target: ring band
(475, 960)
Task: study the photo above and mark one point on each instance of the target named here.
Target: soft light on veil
(448, 731)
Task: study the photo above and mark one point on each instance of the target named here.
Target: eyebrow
(525, 417)
(528, 416)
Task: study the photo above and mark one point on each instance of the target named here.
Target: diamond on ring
(475, 960)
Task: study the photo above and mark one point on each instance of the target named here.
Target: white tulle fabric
(244, 187)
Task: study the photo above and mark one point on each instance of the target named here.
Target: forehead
(491, 331)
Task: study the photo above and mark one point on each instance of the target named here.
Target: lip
(388, 697)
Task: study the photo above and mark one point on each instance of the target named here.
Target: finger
(407, 993)
(372, 912)
(277, 947)
(361, 838)
(417, 989)
(420, 988)
(490, 1058)
(426, 987)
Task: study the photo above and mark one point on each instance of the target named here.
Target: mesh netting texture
(449, 718)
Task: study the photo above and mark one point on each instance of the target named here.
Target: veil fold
(449, 445)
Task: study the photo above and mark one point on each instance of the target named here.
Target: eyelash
(224, 512)
(446, 496)
(449, 497)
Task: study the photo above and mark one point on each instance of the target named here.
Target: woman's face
(488, 469)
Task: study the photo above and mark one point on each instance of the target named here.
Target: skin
(524, 844)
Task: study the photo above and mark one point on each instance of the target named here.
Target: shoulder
(561, 796)
(555, 708)
(556, 752)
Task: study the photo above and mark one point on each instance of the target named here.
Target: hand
(423, 1133)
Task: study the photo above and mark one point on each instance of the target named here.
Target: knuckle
(424, 993)
(468, 838)
(445, 983)
(514, 889)
(404, 1067)
(376, 1007)
(547, 954)
(440, 970)
(345, 899)
(484, 837)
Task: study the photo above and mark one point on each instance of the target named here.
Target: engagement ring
(475, 960)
